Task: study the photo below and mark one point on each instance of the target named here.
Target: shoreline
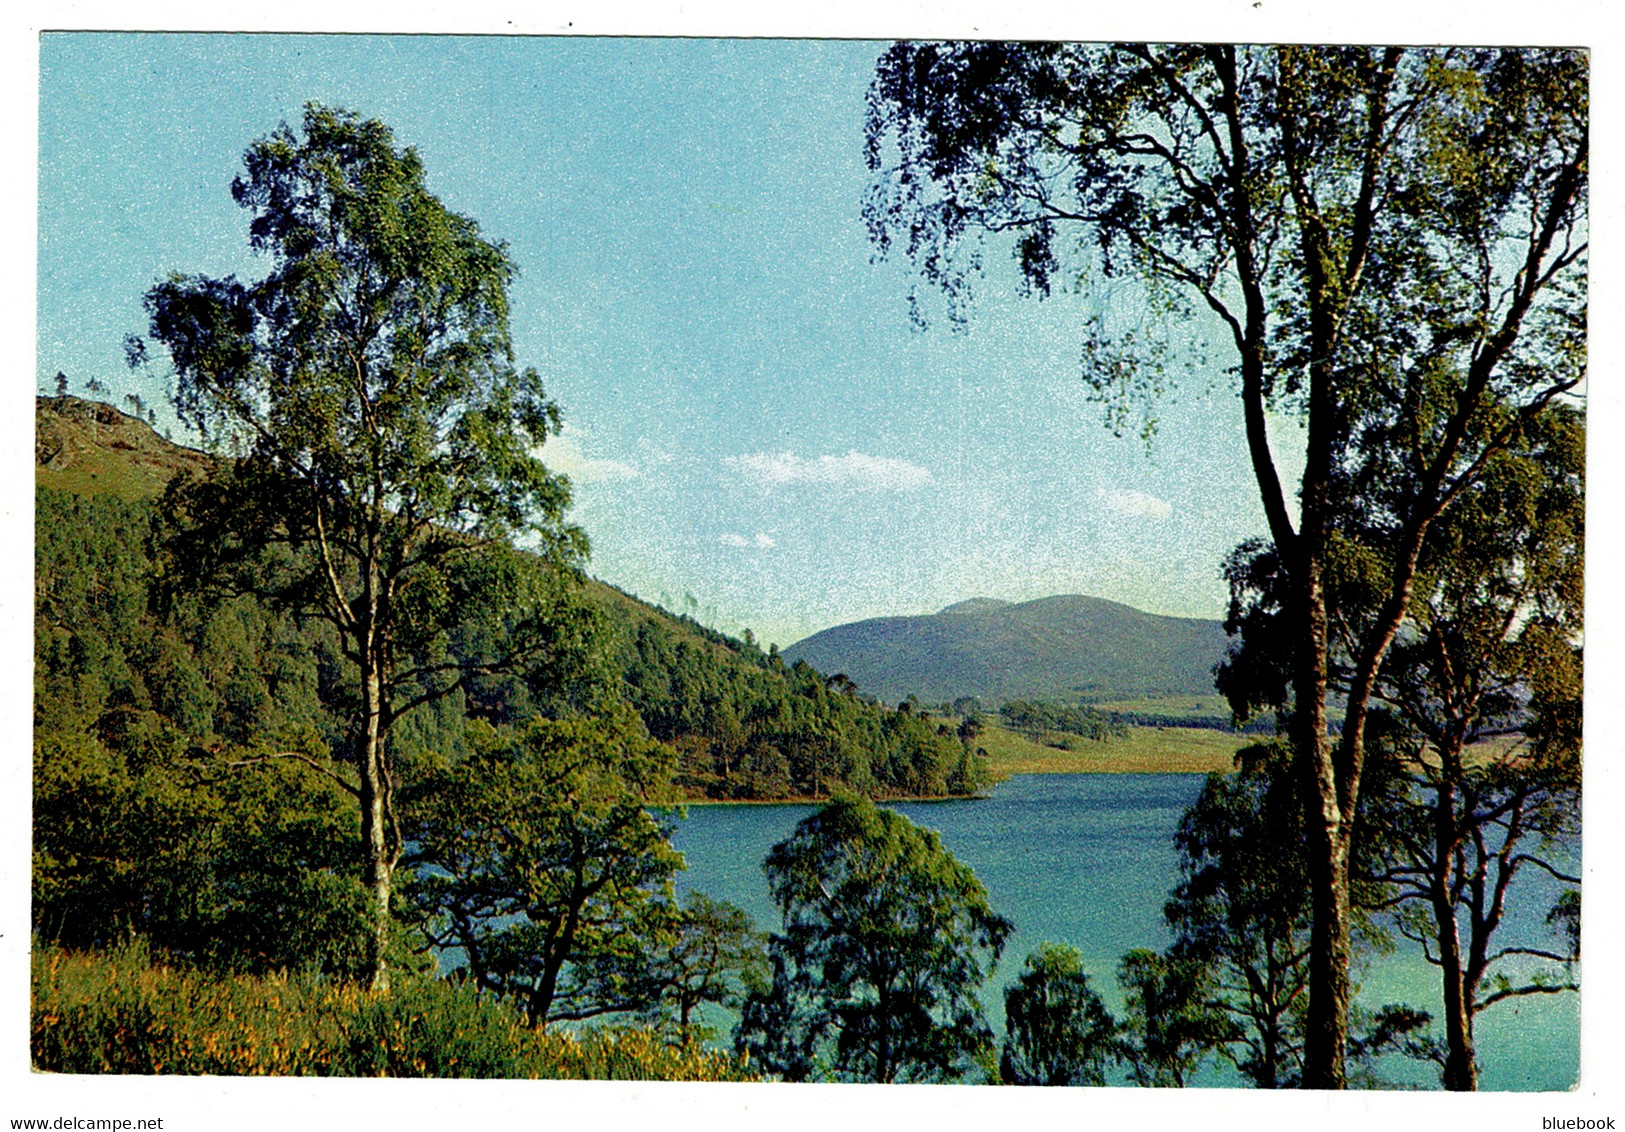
(1049, 762)
(819, 800)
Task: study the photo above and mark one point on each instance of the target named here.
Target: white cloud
(760, 542)
(563, 453)
(1126, 501)
(653, 453)
(854, 470)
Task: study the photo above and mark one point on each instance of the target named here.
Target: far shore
(1144, 750)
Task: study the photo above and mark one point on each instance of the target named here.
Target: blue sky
(756, 431)
(697, 287)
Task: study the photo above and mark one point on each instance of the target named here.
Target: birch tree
(1394, 237)
(385, 445)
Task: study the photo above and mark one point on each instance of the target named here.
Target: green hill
(90, 448)
(745, 724)
(1055, 648)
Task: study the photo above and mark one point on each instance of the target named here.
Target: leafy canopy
(367, 378)
(1392, 245)
(887, 939)
(387, 442)
(1057, 1029)
(538, 860)
(713, 954)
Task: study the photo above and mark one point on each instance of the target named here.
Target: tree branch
(355, 791)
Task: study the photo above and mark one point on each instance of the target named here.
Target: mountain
(1052, 648)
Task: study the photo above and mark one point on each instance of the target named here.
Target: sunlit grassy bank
(1144, 750)
(120, 1013)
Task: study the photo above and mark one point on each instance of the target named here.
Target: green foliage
(1233, 984)
(369, 372)
(1453, 840)
(1319, 203)
(538, 860)
(712, 954)
(141, 827)
(1057, 1030)
(886, 941)
(155, 814)
(234, 869)
(1172, 1026)
(1242, 910)
(1489, 648)
(1391, 1029)
(744, 727)
(1036, 717)
(388, 443)
(749, 728)
(1243, 181)
(118, 1013)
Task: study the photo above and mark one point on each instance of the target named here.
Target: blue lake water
(1088, 860)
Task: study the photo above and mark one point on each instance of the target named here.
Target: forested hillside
(112, 663)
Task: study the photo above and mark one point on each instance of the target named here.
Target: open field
(1145, 750)
(1154, 750)
(1206, 708)
(1194, 707)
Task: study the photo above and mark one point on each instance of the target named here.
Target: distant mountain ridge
(1057, 647)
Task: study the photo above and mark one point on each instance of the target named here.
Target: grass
(1193, 707)
(130, 482)
(119, 1012)
(94, 449)
(1208, 706)
(1155, 750)
(1145, 750)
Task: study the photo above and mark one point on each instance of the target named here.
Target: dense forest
(744, 724)
(166, 808)
(192, 802)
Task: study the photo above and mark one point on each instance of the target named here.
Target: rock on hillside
(92, 448)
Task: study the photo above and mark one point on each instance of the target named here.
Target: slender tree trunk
(380, 848)
(380, 864)
(1460, 1067)
(1329, 815)
(1327, 818)
(1326, 1032)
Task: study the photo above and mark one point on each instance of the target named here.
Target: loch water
(1088, 860)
